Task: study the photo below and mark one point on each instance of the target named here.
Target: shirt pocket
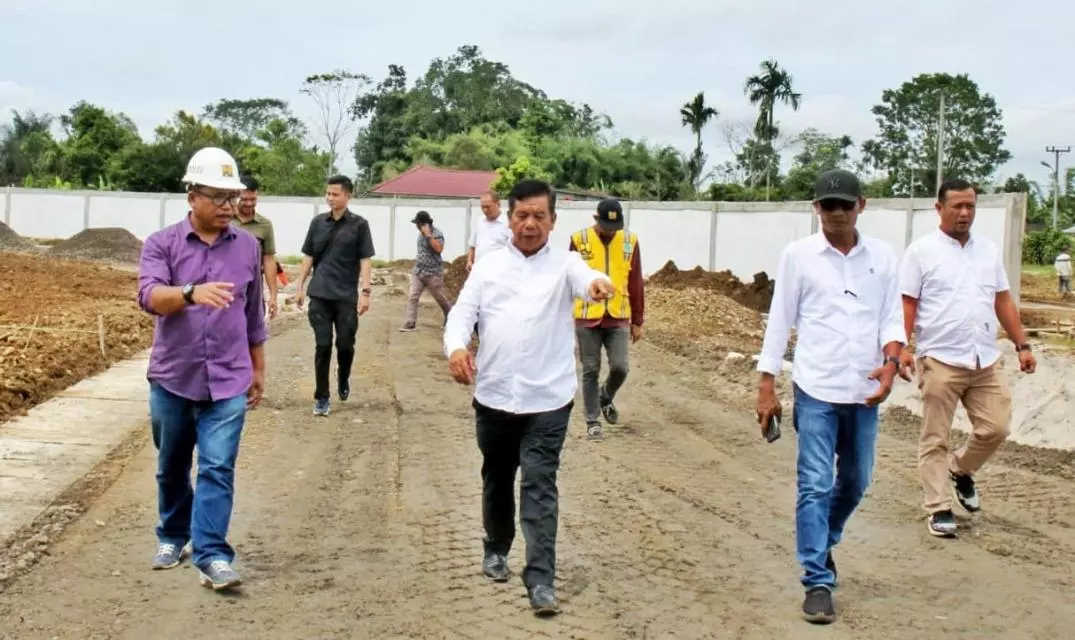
(987, 280)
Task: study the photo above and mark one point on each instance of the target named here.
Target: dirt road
(679, 525)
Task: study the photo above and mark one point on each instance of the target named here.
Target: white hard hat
(213, 167)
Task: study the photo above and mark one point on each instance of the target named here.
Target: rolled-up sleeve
(153, 270)
(256, 331)
(464, 313)
(783, 315)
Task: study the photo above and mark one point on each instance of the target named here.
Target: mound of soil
(455, 274)
(110, 244)
(11, 241)
(756, 295)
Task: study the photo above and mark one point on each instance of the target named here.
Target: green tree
(764, 90)
(246, 117)
(27, 148)
(521, 169)
(94, 138)
(908, 118)
(818, 153)
(696, 114)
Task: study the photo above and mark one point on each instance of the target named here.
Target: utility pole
(1056, 151)
(940, 146)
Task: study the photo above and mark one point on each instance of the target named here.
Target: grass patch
(46, 242)
(1039, 269)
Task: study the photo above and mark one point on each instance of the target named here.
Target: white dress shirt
(524, 308)
(490, 235)
(844, 309)
(956, 287)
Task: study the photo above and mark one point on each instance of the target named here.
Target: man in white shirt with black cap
(838, 289)
(522, 296)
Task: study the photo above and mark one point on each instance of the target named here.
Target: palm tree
(696, 114)
(764, 90)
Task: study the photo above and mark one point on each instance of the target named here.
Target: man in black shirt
(338, 248)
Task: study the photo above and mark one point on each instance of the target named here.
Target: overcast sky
(637, 60)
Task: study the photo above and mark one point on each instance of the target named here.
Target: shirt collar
(952, 241)
(821, 244)
(188, 229)
(542, 251)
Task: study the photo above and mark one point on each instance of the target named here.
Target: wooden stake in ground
(101, 334)
(29, 336)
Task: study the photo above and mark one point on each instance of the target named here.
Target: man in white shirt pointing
(954, 291)
(522, 295)
(838, 289)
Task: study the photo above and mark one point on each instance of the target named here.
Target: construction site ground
(680, 524)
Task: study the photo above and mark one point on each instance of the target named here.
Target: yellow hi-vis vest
(615, 261)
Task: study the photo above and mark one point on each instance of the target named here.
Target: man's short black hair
(343, 181)
(250, 182)
(529, 188)
(954, 184)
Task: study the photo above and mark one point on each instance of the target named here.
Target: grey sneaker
(168, 556)
(608, 409)
(593, 431)
(942, 524)
(219, 576)
(966, 492)
(321, 407)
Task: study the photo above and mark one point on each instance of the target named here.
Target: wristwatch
(188, 293)
(894, 360)
(367, 291)
(1022, 347)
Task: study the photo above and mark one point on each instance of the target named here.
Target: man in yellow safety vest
(614, 323)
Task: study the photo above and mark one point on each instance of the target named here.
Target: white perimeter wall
(744, 237)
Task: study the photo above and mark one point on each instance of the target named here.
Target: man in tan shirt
(248, 219)
(955, 291)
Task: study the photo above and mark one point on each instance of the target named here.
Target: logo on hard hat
(227, 171)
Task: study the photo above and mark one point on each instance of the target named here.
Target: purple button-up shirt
(201, 353)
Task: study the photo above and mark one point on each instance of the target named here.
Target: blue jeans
(848, 433)
(203, 515)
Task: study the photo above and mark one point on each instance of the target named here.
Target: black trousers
(533, 443)
(326, 315)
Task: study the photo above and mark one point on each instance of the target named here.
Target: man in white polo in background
(491, 232)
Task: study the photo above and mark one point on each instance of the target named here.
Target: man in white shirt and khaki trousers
(838, 289)
(522, 295)
(954, 291)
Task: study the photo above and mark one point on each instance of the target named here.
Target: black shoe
(942, 524)
(612, 416)
(966, 492)
(830, 564)
(817, 607)
(495, 567)
(543, 600)
(321, 407)
(344, 390)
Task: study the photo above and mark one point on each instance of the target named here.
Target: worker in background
(338, 248)
(490, 233)
(612, 324)
(201, 279)
(955, 291)
(1062, 264)
(248, 219)
(526, 383)
(837, 288)
(428, 272)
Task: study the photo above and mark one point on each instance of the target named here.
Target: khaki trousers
(985, 395)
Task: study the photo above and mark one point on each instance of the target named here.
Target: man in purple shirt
(201, 278)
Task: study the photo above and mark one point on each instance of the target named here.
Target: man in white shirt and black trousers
(838, 289)
(522, 295)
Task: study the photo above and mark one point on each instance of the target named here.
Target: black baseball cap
(422, 217)
(610, 214)
(837, 184)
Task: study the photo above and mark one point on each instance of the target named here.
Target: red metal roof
(432, 181)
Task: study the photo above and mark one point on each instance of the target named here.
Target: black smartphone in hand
(772, 431)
